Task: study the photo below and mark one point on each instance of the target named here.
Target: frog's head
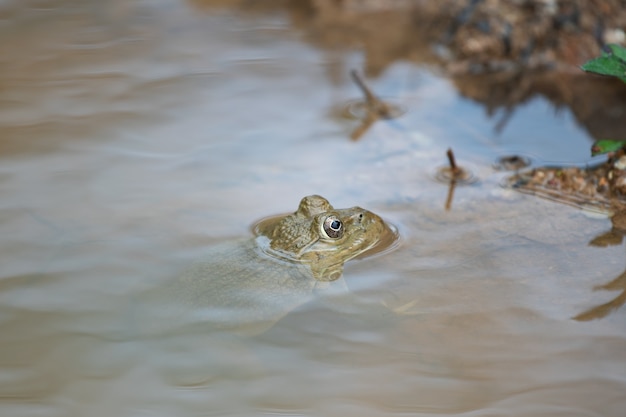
(323, 237)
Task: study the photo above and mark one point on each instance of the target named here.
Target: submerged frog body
(250, 284)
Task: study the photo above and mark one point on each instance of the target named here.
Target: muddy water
(138, 135)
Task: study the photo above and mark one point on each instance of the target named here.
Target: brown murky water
(135, 135)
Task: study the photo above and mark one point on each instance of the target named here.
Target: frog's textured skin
(253, 283)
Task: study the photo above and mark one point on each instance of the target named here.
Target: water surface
(138, 135)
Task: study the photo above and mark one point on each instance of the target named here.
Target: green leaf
(606, 145)
(611, 63)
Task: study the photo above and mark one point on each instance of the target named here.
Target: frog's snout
(365, 219)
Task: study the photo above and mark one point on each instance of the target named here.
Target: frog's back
(235, 286)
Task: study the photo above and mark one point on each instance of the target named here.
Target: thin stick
(453, 166)
(369, 96)
(375, 104)
(369, 120)
(450, 197)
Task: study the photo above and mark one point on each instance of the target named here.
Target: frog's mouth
(373, 237)
(369, 235)
(387, 241)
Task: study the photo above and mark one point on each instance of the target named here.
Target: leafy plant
(606, 146)
(611, 63)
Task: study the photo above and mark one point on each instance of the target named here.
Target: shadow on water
(613, 237)
(598, 312)
(598, 188)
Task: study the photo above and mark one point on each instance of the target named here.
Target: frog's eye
(332, 227)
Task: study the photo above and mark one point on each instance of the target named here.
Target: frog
(247, 285)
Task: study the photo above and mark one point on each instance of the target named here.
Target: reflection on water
(595, 189)
(138, 137)
(598, 312)
(500, 53)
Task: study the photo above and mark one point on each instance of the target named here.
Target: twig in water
(374, 104)
(450, 197)
(454, 169)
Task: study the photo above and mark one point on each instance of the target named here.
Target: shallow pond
(138, 134)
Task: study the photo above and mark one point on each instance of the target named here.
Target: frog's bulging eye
(332, 227)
